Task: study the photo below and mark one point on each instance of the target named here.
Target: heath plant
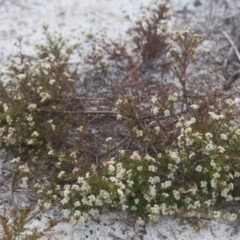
(38, 122)
(186, 158)
(177, 152)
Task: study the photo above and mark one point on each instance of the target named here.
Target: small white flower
(155, 110)
(176, 194)
(190, 122)
(179, 125)
(203, 184)
(166, 113)
(32, 107)
(191, 155)
(194, 106)
(139, 133)
(52, 81)
(224, 136)
(35, 134)
(154, 99)
(216, 214)
(51, 152)
(139, 168)
(120, 192)
(189, 141)
(208, 136)
(46, 205)
(119, 101)
(221, 149)
(44, 96)
(73, 154)
(165, 194)
(233, 217)
(111, 169)
(152, 168)
(230, 102)
(157, 129)
(119, 116)
(122, 152)
(30, 142)
(173, 98)
(236, 174)
(80, 129)
(5, 107)
(60, 175)
(23, 183)
(166, 184)
(205, 50)
(216, 175)
(136, 201)
(168, 55)
(46, 66)
(135, 156)
(199, 168)
(214, 116)
(21, 76)
(109, 139)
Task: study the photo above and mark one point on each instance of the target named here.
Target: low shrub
(182, 153)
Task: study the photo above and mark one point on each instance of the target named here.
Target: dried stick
(233, 44)
(11, 198)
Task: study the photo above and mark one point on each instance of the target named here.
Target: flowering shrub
(36, 121)
(188, 159)
(182, 153)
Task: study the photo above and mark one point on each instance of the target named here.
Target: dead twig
(79, 112)
(233, 44)
(11, 198)
(225, 65)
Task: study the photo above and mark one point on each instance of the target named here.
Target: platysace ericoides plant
(180, 151)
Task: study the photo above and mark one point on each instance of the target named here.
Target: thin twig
(11, 198)
(32, 214)
(233, 44)
(77, 112)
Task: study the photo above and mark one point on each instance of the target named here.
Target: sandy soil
(23, 20)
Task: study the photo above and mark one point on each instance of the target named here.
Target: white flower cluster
(216, 117)
(23, 183)
(135, 156)
(32, 106)
(175, 156)
(139, 133)
(155, 110)
(45, 96)
(173, 98)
